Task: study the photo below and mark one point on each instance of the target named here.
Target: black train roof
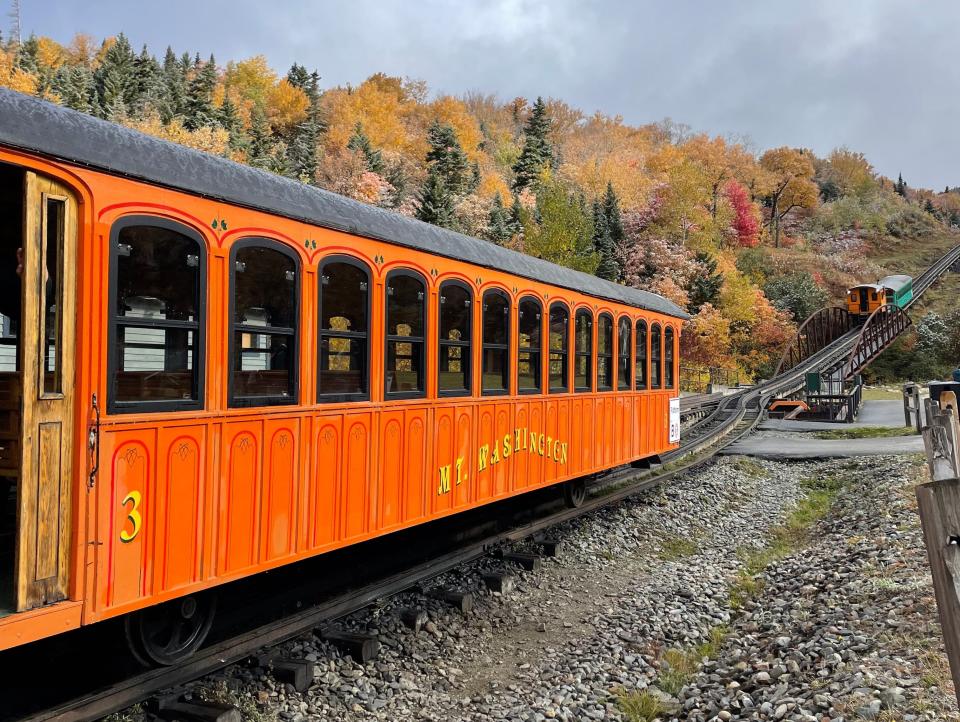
(35, 125)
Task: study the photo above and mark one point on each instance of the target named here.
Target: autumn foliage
(700, 219)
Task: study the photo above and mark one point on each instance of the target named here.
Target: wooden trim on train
(223, 492)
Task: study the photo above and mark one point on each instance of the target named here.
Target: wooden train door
(48, 281)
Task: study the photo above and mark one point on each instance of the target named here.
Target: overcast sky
(878, 76)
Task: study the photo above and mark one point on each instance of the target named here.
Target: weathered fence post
(939, 503)
(912, 407)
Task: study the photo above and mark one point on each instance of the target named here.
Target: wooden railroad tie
(549, 547)
(414, 618)
(502, 582)
(463, 601)
(360, 646)
(197, 711)
(296, 672)
(524, 560)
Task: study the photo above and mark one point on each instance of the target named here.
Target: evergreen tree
(115, 79)
(200, 109)
(148, 89)
(174, 82)
(303, 152)
(399, 182)
(228, 119)
(360, 143)
(258, 153)
(607, 267)
(498, 226)
(475, 177)
(73, 84)
(706, 284)
(436, 203)
(537, 152)
(28, 56)
(298, 77)
(928, 206)
(614, 222)
(448, 161)
(900, 187)
(516, 216)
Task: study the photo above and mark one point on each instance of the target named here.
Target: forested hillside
(750, 242)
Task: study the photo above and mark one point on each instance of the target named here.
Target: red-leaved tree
(746, 220)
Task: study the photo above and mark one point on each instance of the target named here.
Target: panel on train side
(358, 466)
(281, 484)
(127, 531)
(181, 511)
(453, 471)
(238, 527)
(325, 482)
(404, 450)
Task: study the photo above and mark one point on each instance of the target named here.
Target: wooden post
(906, 405)
(939, 503)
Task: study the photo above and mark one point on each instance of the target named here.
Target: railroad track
(726, 420)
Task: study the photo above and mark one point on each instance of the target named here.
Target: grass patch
(785, 538)
(639, 706)
(249, 710)
(749, 466)
(881, 393)
(677, 547)
(867, 432)
(678, 666)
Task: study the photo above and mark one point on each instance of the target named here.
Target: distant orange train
(207, 371)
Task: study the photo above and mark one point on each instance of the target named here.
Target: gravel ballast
(648, 613)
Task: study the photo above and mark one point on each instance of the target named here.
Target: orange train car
(207, 371)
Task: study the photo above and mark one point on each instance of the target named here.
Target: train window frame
(640, 366)
(114, 321)
(534, 351)
(466, 353)
(588, 354)
(243, 402)
(563, 350)
(420, 393)
(669, 356)
(332, 398)
(656, 356)
(609, 356)
(484, 345)
(625, 372)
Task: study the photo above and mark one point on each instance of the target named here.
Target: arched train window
(656, 357)
(264, 308)
(641, 362)
(496, 343)
(456, 315)
(605, 353)
(558, 348)
(624, 349)
(529, 325)
(583, 352)
(669, 355)
(406, 333)
(342, 335)
(158, 275)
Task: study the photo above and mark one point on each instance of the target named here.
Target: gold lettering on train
(519, 440)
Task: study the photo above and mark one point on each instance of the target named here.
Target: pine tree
(360, 143)
(706, 284)
(303, 152)
(928, 206)
(200, 109)
(436, 203)
(498, 225)
(298, 76)
(73, 84)
(614, 222)
(116, 78)
(173, 98)
(229, 120)
(148, 89)
(447, 159)
(900, 187)
(516, 216)
(258, 153)
(537, 152)
(608, 267)
(399, 182)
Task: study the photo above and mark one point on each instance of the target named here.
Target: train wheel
(167, 634)
(575, 493)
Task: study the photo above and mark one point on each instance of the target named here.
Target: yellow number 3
(133, 498)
